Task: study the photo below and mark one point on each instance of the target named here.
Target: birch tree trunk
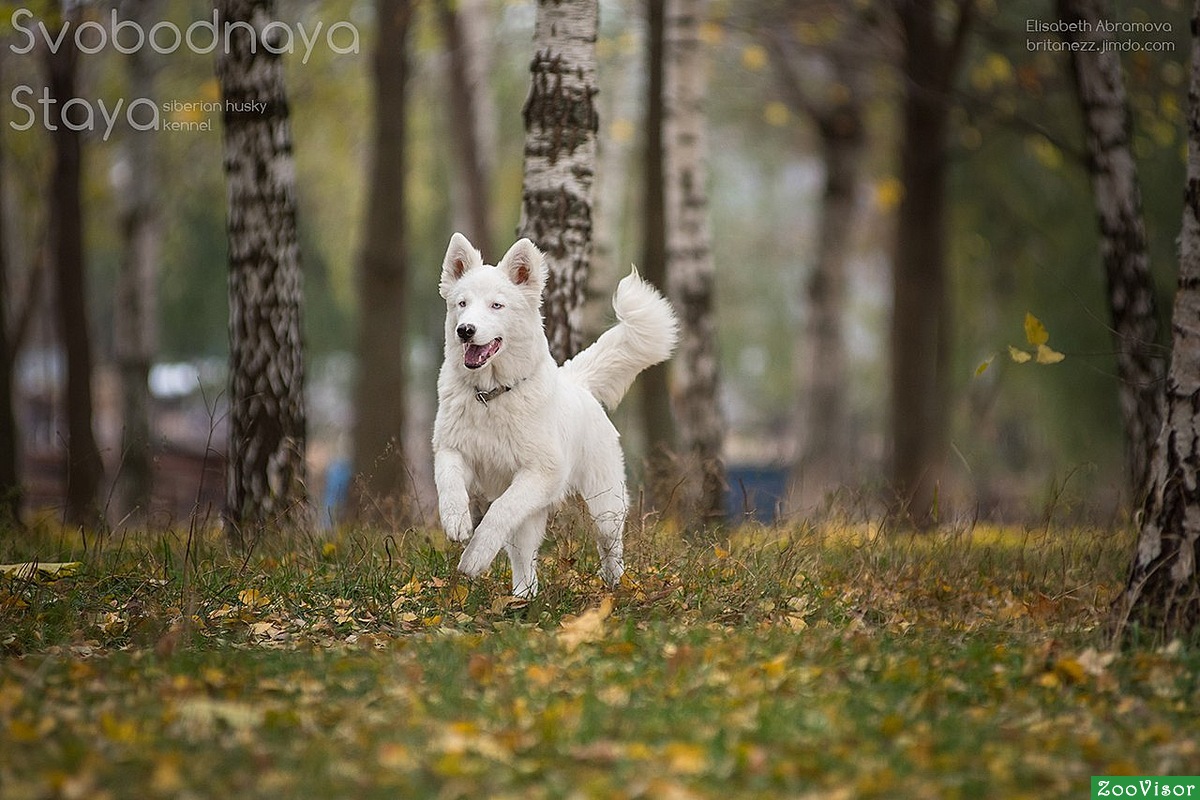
(560, 161)
(380, 395)
(266, 472)
(472, 167)
(1106, 118)
(85, 470)
(920, 336)
(1163, 591)
(690, 270)
(136, 324)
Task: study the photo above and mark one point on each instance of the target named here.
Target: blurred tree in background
(380, 401)
(10, 484)
(790, 83)
(136, 179)
(84, 468)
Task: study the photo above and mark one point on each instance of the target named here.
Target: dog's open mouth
(476, 355)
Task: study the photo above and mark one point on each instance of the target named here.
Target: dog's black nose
(466, 332)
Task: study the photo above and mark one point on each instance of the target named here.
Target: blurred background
(798, 92)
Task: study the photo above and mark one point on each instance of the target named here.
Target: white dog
(518, 431)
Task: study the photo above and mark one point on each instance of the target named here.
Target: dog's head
(490, 308)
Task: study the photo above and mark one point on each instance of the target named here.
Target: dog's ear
(461, 257)
(525, 265)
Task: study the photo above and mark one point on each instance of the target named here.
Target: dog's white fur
(542, 435)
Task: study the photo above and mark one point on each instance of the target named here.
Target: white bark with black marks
(266, 470)
(1123, 248)
(1163, 592)
(690, 269)
(560, 161)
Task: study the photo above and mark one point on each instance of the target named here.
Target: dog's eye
(497, 305)
(462, 303)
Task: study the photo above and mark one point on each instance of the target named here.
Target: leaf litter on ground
(827, 661)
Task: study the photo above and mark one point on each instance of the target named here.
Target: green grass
(821, 662)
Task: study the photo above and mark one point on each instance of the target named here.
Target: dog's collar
(485, 396)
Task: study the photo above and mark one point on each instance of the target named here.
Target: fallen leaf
(27, 570)
(587, 627)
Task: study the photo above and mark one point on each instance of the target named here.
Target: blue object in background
(337, 487)
(755, 493)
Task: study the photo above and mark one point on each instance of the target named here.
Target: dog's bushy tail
(645, 334)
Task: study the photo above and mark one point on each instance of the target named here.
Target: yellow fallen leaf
(982, 368)
(123, 731)
(587, 627)
(685, 758)
(201, 715)
(541, 675)
(252, 598)
(1070, 669)
(25, 571)
(21, 731)
(776, 666)
(1047, 356)
(1049, 680)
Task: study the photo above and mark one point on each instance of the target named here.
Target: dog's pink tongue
(476, 355)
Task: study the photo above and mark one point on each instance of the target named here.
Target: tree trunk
(136, 323)
(560, 157)
(920, 337)
(835, 109)
(85, 469)
(655, 401)
(1101, 90)
(473, 173)
(10, 484)
(690, 270)
(383, 275)
(1163, 592)
(266, 469)
(825, 455)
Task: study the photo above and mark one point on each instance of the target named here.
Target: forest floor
(824, 662)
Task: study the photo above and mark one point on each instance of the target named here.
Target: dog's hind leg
(522, 551)
(608, 509)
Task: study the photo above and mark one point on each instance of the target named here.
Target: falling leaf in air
(1045, 355)
(1035, 332)
(1019, 356)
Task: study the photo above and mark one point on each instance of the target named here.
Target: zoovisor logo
(125, 36)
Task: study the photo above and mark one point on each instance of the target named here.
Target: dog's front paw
(457, 524)
(476, 558)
